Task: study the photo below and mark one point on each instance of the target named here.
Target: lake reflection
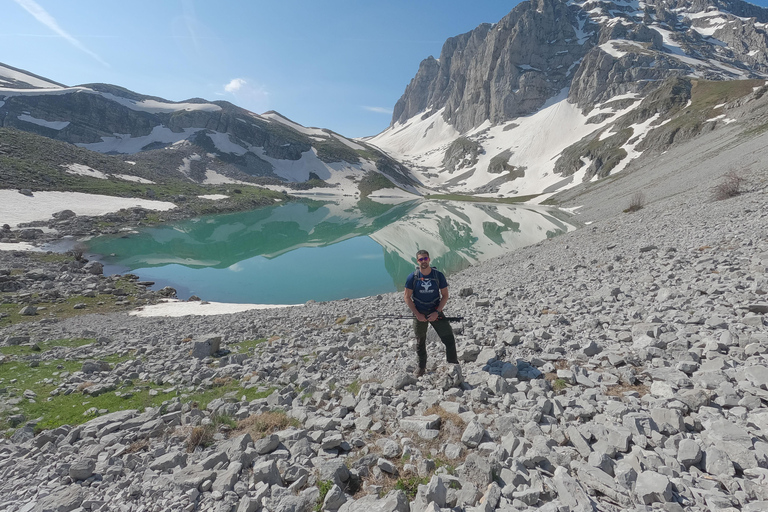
(294, 252)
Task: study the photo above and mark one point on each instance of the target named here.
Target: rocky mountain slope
(196, 140)
(618, 367)
(561, 92)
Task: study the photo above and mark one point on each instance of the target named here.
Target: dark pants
(444, 330)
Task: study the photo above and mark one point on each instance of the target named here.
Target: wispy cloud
(379, 110)
(49, 21)
(254, 97)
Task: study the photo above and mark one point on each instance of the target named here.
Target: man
(426, 292)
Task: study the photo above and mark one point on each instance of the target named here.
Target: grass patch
(65, 307)
(354, 387)
(620, 389)
(248, 346)
(54, 411)
(222, 388)
(410, 485)
(372, 182)
(75, 408)
(261, 425)
(45, 346)
(323, 486)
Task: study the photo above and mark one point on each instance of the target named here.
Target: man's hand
(433, 316)
(421, 318)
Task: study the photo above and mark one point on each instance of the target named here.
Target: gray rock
(652, 487)
(62, 500)
(267, 444)
(225, 481)
(476, 469)
(205, 346)
(570, 492)
(688, 452)
(436, 491)
(91, 366)
(418, 423)
(334, 499)
(334, 470)
(473, 434)
(394, 501)
(169, 461)
(82, 469)
(386, 466)
(28, 311)
(718, 463)
(757, 376)
(267, 472)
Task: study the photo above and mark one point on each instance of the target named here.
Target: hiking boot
(420, 372)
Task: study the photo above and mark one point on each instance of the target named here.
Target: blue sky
(338, 64)
(333, 64)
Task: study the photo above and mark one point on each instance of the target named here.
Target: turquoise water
(299, 251)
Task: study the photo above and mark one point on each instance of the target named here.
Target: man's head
(423, 258)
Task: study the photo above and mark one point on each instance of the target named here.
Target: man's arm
(408, 296)
(443, 299)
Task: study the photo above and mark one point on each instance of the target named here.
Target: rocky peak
(597, 49)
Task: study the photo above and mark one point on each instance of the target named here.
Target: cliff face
(596, 49)
(499, 72)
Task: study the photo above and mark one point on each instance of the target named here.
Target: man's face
(423, 261)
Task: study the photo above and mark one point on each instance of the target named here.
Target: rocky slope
(195, 140)
(563, 92)
(619, 367)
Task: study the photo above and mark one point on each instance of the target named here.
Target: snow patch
(137, 179)
(17, 208)
(215, 178)
(26, 78)
(55, 125)
(84, 170)
(126, 144)
(274, 116)
(224, 144)
(158, 107)
(176, 308)
(213, 197)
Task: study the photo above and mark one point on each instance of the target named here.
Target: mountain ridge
(622, 68)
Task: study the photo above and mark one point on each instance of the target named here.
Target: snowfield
(16, 208)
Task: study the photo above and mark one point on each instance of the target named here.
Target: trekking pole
(404, 317)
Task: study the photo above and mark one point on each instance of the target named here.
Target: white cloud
(235, 85)
(253, 97)
(379, 110)
(49, 21)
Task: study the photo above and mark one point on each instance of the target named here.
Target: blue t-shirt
(426, 289)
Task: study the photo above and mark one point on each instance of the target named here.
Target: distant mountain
(557, 93)
(562, 92)
(198, 140)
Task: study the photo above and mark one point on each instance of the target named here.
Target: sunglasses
(425, 258)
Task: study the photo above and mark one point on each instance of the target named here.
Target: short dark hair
(422, 251)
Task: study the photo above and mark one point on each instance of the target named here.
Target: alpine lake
(298, 251)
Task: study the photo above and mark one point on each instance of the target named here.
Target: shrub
(636, 203)
(200, 436)
(730, 186)
(323, 486)
(410, 485)
(260, 425)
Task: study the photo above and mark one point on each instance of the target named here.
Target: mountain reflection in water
(311, 250)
